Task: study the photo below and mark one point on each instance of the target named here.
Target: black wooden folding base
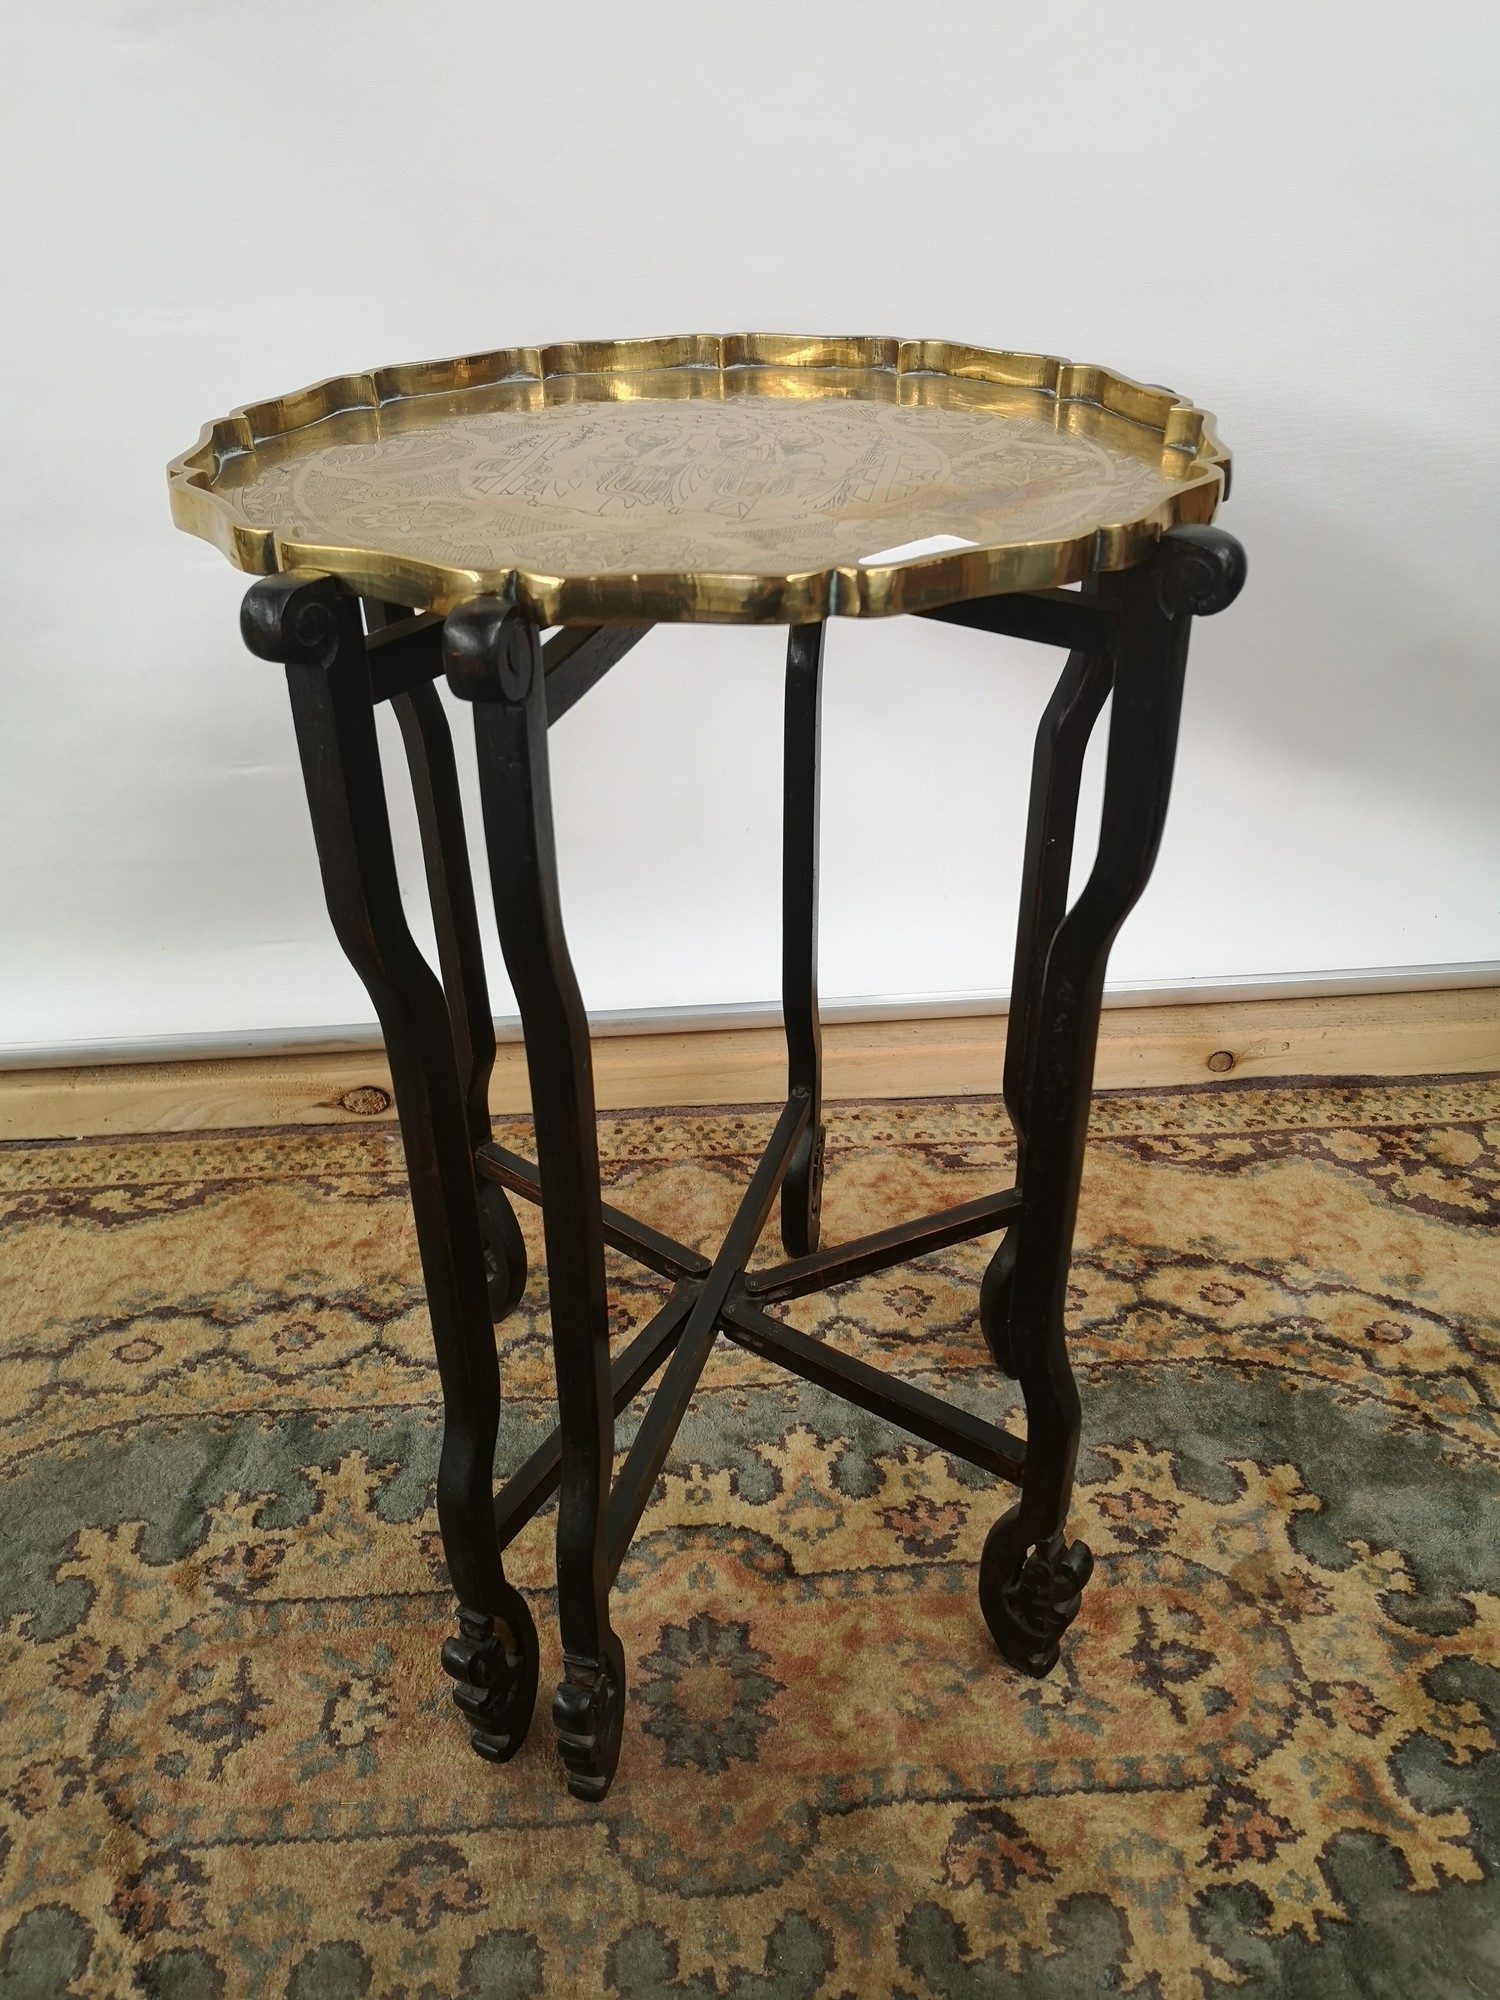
(1128, 636)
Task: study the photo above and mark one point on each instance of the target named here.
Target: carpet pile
(1266, 1764)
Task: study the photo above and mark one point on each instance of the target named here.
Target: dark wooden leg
(429, 753)
(314, 629)
(494, 661)
(1056, 770)
(450, 888)
(802, 1190)
(1030, 1580)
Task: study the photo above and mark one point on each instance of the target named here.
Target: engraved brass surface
(734, 478)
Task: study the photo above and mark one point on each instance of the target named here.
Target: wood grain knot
(366, 1100)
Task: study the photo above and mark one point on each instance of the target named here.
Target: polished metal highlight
(749, 478)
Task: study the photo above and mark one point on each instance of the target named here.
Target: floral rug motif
(1266, 1764)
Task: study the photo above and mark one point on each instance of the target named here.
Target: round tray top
(753, 477)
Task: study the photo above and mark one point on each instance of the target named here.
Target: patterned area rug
(1266, 1764)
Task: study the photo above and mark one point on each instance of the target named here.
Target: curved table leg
(313, 628)
(494, 661)
(450, 887)
(1030, 1578)
(428, 743)
(1062, 740)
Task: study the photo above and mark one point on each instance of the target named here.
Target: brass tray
(749, 477)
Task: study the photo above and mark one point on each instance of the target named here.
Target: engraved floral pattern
(678, 482)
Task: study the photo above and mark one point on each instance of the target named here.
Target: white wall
(1288, 213)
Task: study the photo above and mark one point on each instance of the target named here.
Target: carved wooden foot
(1030, 1597)
(588, 1713)
(494, 1661)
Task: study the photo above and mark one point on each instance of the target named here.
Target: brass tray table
(433, 520)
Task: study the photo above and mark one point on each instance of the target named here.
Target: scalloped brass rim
(788, 597)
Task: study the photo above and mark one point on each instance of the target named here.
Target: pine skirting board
(1380, 1034)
